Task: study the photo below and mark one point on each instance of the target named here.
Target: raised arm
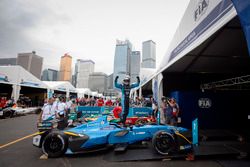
(117, 85)
(134, 85)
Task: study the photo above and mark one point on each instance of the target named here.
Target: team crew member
(68, 105)
(100, 102)
(46, 111)
(61, 108)
(125, 88)
(108, 103)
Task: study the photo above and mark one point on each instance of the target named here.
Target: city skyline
(85, 29)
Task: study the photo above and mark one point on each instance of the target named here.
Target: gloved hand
(116, 78)
(138, 79)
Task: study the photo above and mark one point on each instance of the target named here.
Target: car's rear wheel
(55, 144)
(164, 143)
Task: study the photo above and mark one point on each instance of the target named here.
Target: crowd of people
(97, 101)
(57, 107)
(137, 102)
(169, 109)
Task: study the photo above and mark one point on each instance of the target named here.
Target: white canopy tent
(63, 86)
(81, 92)
(95, 94)
(17, 76)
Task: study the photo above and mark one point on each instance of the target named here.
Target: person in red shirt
(100, 102)
(117, 111)
(108, 103)
(3, 102)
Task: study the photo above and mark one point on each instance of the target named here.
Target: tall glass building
(123, 51)
(135, 65)
(148, 54)
(83, 69)
(98, 82)
(50, 75)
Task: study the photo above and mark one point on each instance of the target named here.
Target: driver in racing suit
(125, 88)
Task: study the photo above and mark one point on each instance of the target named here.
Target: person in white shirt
(47, 111)
(61, 107)
(69, 105)
(55, 104)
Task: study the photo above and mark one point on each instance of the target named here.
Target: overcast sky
(86, 29)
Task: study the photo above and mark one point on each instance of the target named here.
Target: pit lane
(22, 153)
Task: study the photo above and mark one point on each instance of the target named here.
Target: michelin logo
(200, 9)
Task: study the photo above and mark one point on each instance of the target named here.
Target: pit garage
(207, 66)
(18, 83)
(32, 95)
(212, 82)
(5, 89)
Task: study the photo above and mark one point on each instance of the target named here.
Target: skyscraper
(123, 51)
(65, 68)
(50, 75)
(98, 82)
(135, 65)
(148, 54)
(83, 69)
(110, 81)
(31, 62)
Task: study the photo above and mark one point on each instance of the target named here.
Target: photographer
(172, 112)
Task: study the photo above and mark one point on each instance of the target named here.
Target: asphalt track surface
(23, 153)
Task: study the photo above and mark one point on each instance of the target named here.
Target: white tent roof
(95, 94)
(195, 27)
(20, 76)
(145, 74)
(60, 85)
(192, 31)
(85, 91)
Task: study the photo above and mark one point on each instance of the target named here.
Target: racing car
(102, 134)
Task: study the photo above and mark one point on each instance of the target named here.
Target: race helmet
(126, 80)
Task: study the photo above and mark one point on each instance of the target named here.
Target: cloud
(20, 17)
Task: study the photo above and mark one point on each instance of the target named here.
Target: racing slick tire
(7, 113)
(163, 143)
(55, 144)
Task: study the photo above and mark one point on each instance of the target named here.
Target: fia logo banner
(200, 9)
(204, 103)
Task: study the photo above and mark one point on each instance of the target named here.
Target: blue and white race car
(102, 134)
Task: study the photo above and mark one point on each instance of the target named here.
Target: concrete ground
(23, 153)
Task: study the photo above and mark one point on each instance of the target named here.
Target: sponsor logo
(200, 9)
(91, 112)
(140, 133)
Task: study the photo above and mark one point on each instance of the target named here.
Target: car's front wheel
(55, 144)
(163, 142)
